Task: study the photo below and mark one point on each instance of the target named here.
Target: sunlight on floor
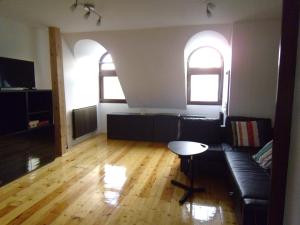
(202, 213)
(114, 179)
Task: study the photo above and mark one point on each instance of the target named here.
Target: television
(16, 73)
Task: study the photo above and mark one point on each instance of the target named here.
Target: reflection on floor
(109, 182)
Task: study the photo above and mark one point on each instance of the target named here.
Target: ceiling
(134, 14)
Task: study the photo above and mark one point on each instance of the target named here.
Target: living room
(151, 57)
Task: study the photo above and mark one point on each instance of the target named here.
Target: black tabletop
(187, 148)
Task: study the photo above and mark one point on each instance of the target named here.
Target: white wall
(255, 47)
(21, 41)
(81, 87)
(150, 66)
(150, 62)
(292, 203)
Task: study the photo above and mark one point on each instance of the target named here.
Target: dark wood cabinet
(130, 126)
(13, 112)
(24, 148)
(20, 108)
(166, 127)
(144, 127)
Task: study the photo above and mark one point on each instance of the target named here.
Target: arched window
(110, 87)
(205, 76)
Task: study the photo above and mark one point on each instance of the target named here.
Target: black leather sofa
(206, 131)
(250, 184)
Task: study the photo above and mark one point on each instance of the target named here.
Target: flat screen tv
(16, 73)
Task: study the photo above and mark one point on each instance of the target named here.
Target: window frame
(106, 73)
(205, 71)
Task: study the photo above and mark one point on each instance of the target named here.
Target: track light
(209, 7)
(74, 6)
(87, 14)
(208, 12)
(99, 21)
(89, 8)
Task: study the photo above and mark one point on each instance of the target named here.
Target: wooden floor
(103, 182)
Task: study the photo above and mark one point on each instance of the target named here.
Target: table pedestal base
(189, 190)
(189, 150)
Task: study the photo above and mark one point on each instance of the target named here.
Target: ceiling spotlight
(209, 7)
(99, 21)
(89, 8)
(208, 12)
(74, 6)
(87, 14)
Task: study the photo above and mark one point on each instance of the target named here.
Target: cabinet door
(25, 151)
(13, 156)
(13, 113)
(41, 149)
(141, 127)
(39, 101)
(130, 127)
(166, 128)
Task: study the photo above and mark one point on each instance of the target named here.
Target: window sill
(113, 101)
(205, 103)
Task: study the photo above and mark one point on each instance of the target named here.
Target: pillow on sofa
(264, 156)
(245, 133)
(264, 127)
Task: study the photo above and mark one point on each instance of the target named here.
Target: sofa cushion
(213, 153)
(226, 147)
(207, 131)
(264, 156)
(211, 160)
(251, 180)
(245, 133)
(264, 127)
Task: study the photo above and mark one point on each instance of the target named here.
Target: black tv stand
(13, 89)
(26, 132)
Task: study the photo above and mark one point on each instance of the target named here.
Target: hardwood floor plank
(24, 182)
(63, 187)
(109, 182)
(151, 179)
(139, 164)
(169, 189)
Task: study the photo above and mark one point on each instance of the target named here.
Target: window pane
(108, 66)
(107, 63)
(205, 88)
(205, 58)
(107, 59)
(112, 88)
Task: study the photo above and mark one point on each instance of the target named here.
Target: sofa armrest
(255, 211)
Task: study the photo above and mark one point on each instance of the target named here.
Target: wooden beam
(58, 93)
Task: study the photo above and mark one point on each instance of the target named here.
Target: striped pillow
(264, 156)
(245, 133)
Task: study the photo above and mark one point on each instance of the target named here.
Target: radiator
(84, 121)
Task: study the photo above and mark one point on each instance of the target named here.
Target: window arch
(205, 68)
(110, 87)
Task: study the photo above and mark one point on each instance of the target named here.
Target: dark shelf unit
(39, 106)
(22, 148)
(143, 127)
